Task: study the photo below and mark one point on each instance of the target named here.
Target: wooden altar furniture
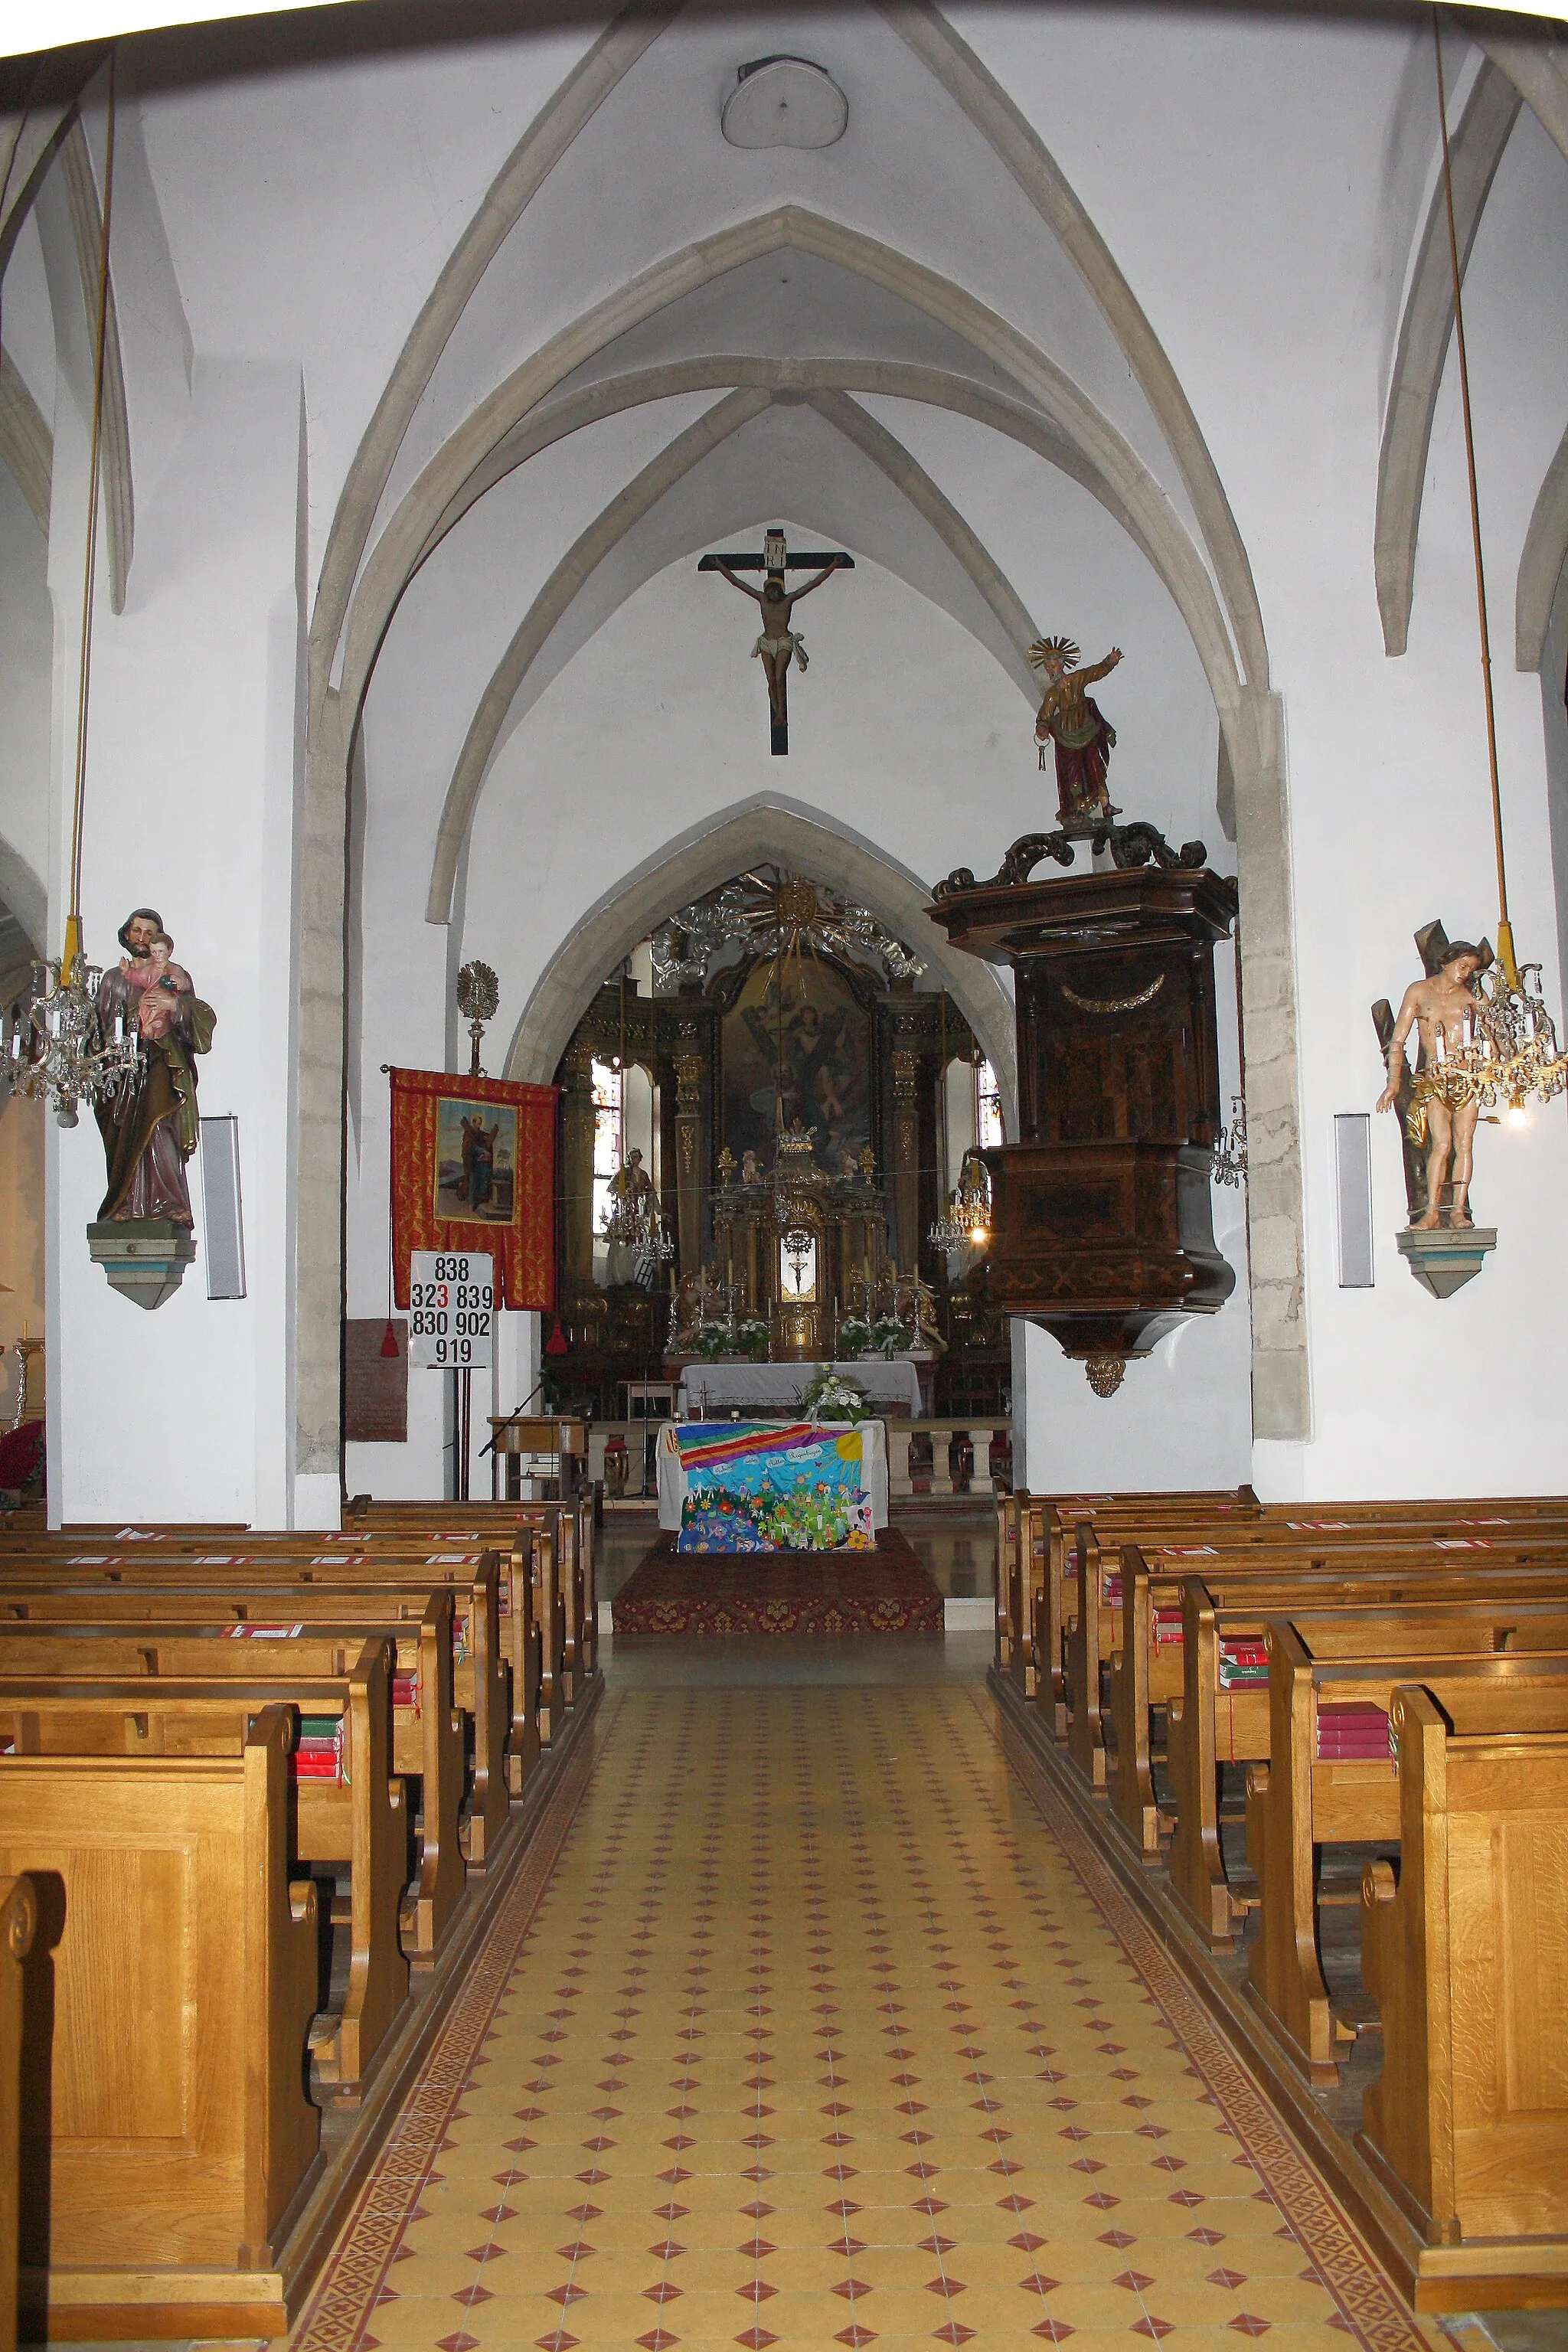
(1467, 2122)
(1314, 1793)
(348, 1814)
(542, 1446)
(637, 1396)
(1391, 1676)
(1101, 1229)
(175, 2125)
(18, 1922)
(175, 2188)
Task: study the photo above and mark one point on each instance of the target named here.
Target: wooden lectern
(553, 1448)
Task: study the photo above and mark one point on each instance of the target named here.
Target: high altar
(797, 1140)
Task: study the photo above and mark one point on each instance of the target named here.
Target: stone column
(688, 1161)
(906, 1166)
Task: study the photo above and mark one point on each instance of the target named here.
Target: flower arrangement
(831, 1397)
(858, 1335)
(748, 1337)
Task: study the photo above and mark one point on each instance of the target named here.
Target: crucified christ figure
(778, 645)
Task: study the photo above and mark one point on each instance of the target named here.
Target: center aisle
(815, 2032)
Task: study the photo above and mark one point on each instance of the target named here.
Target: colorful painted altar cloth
(758, 1486)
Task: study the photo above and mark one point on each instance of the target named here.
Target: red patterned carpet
(884, 1591)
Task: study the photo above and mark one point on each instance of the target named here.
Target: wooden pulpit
(1101, 1229)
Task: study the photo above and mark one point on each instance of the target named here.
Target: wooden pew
(271, 1588)
(163, 2106)
(427, 1740)
(1010, 1510)
(1468, 2123)
(354, 1816)
(1214, 1724)
(1150, 1667)
(18, 1919)
(572, 1531)
(451, 1535)
(1048, 1568)
(1394, 1553)
(1301, 1800)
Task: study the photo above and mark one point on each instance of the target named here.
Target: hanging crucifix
(779, 645)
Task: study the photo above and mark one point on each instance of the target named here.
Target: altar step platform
(707, 1595)
(955, 1543)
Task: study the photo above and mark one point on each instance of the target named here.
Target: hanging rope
(1505, 930)
(71, 953)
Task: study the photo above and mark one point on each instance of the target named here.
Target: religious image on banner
(476, 1161)
(473, 1167)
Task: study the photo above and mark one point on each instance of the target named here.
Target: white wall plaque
(451, 1310)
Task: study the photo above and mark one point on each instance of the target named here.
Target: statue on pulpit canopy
(1083, 738)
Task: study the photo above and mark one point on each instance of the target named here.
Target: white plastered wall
(196, 718)
(1391, 826)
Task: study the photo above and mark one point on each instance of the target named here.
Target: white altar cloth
(713, 1390)
(673, 1477)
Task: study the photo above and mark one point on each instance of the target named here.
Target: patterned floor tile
(804, 2025)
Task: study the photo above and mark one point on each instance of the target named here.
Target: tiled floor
(817, 2033)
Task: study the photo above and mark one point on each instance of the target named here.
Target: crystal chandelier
(965, 1221)
(637, 1225)
(55, 1045)
(631, 1220)
(971, 1201)
(946, 1233)
(778, 915)
(1507, 1052)
(1230, 1146)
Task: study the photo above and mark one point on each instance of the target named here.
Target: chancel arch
(769, 1039)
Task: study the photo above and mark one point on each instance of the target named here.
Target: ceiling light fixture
(784, 101)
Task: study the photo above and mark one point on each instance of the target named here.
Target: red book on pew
(319, 1750)
(1242, 1660)
(1354, 1735)
(1167, 1627)
(405, 1690)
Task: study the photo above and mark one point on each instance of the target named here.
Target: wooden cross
(779, 645)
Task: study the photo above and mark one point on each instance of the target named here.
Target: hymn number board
(451, 1300)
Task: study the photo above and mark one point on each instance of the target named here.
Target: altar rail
(951, 1460)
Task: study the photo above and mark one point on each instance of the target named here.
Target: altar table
(712, 1390)
(772, 1464)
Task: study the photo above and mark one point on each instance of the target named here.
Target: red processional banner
(473, 1167)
